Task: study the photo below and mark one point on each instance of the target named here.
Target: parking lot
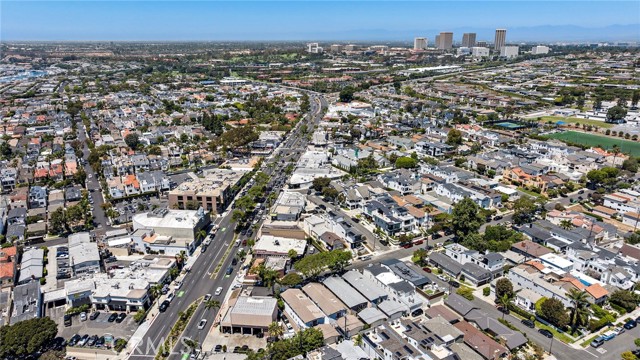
(100, 326)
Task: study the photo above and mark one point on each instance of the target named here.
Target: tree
(466, 217)
(454, 137)
(625, 299)
(80, 176)
(292, 254)
(523, 209)
(633, 239)
(504, 287)
(554, 311)
(320, 183)
(212, 304)
(566, 224)
(465, 292)
(628, 355)
(635, 97)
(405, 162)
(578, 314)
(57, 221)
(181, 258)
(630, 164)
(346, 94)
(419, 257)
(616, 114)
(132, 140)
(275, 329)
(505, 302)
(26, 337)
(291, 279)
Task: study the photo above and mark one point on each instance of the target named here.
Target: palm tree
(579, 300)
(212, 304)
(275, 329)
(504, 301)
(201, 234)
(156, 290)
(174, 272)
(566, 224)
(181, 258)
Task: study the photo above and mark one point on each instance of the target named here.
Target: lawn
(572, 120)
(626, 146)
(531, 193)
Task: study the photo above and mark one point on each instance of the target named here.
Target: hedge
(618, 308)
(524, 313)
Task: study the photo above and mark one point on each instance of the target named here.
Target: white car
(202, 324)
(207, 297)
(83, 316)
(443, 278)
(178, 285)
(218, 291)
(170, 297)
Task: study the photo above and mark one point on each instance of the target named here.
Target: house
(391, 218)
(7, 266)
(475, 274)
(353, 300)
(492, 262)
(330, 305)
(488, 348)
(399, 290)
(27, 302)
(301, 310)
(373, 292)
(37, 197)
(448, 265)
(31, 266)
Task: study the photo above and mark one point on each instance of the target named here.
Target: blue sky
(295, 20)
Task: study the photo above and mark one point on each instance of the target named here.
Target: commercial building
(289, 206)
(469, 40)
(249, 314)
(419, 43)
(540, 50)
(509, 52)
(212, 192)
(83, 254)
(314, 48)
(269, 245)
(445, 41)
(479, 52)
(182, 224)
(336, 48)
(301, 310)
(103, 292)
(500, 39)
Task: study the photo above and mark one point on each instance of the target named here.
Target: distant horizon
(322, 21)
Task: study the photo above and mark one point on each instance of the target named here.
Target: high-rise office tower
(500, 40)
(445, 41)
(419, 43)
(469, 40)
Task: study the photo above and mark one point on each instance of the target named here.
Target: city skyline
(316, 20)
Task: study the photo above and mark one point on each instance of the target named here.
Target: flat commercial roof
(300, 303)
(348, 295)
(326, 301)
(370, 290)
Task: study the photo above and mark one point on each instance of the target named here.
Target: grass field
(573, 120)
(626, 146)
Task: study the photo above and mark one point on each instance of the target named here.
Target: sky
(311, 20)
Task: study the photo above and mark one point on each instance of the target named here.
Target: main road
(202, 278)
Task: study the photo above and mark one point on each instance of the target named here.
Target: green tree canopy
(555, 312)
(616, 113)
(346, 94)
(132, 140)
(625, 299)
(523, 209)
(466, 218)
(454, 137)
(405, 162)
(26, 337)
(504, 287)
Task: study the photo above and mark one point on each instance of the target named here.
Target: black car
(67, 320)
(100, 341)
(121, 317)
(528, 323)
(234, 261)
(112, 317)
(546, 333)
(74, 340)
(630, 324)
(203, 248)
(454, 283)
(94, 315)
(218, 348)
(164, 306)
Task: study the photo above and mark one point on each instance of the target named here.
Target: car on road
(202, 324)
(528, 323)
(94, 315)
(207, 297)
(121, 317)
(630, 324)
(229, 270)
(546, 333)
(164, 306)
(112, 317)
(443, 278)
(234, 262)
(171, 296)
(597, 342)
(218, 291)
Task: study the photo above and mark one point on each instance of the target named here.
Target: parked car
(112, 317)
(67, 320)
(218, 348)
(443, 278)
(426, 269)
(178, 285)
(121, 317)
(100, 341)
(83, 340)
(630, 324)
(170, 297)
(528, 323)
(94, 315)
(92, 340)
(164, 306)
(454, 283)
(74, 340)
(597, 342)
(618, 330)
(546, 333)
(83, 316)
(608, 335)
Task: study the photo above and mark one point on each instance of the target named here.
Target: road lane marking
(180, 293)
(590, 353)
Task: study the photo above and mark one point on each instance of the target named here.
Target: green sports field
(606, 142)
